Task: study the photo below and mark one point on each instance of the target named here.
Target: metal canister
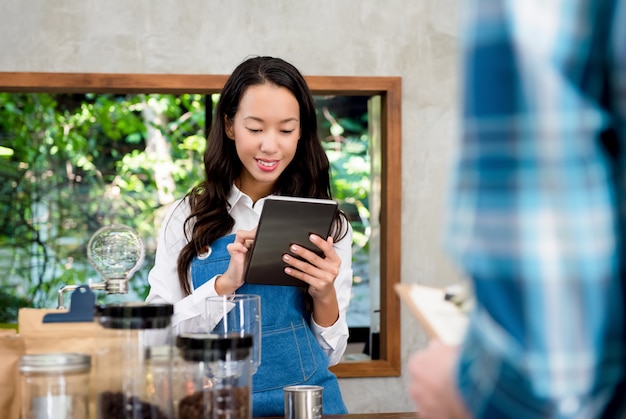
(303, 402)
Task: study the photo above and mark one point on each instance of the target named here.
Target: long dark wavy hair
(308, 174)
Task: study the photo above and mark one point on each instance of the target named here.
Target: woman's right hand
(232, 279)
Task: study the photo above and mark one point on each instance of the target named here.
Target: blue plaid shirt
(538, 207)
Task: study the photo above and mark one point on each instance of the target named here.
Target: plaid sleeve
(534, 215)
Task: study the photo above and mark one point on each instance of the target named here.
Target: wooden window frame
(389, 88)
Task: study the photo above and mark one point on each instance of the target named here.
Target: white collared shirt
(165, 287)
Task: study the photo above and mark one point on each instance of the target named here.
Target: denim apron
(290, 355)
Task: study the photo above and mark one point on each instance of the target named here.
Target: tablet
(284, 221)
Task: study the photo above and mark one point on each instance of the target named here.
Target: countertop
(394, 415)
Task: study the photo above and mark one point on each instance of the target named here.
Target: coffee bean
(115, 405)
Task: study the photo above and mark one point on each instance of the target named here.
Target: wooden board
(440, 319)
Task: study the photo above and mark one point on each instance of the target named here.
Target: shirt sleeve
(334, 339)
(534, 210)
(189, 310)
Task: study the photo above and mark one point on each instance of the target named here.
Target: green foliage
(343, 123)
(9, 306)
(70, 164)
(76, 163)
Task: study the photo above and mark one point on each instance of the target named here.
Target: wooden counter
(395, 415)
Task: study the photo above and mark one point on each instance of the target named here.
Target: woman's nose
(269, 142)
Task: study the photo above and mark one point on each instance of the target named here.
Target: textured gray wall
(414, 39)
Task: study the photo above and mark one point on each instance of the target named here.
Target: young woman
(263, 142)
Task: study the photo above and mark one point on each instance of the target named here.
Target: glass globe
(116, 252)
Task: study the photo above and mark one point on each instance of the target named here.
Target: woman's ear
(228, 128)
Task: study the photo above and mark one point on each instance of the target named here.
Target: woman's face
(266, 130)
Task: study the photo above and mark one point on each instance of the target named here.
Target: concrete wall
(414, 39)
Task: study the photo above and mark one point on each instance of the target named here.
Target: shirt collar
(236, 196)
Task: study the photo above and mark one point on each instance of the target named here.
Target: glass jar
(55, 385)
(133, 369)
(214, 377)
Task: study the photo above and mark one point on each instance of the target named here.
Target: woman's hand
(320, 273)
(232, 279)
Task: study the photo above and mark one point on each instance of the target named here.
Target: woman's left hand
(319, 272)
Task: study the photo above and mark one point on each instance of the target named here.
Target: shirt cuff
(189, 313)
(332, 339)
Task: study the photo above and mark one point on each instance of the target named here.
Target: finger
(236, 248)
(244, 238)
(296, 273)
(294, 261)
(298, 268)
(319, 275)
(329, 262)
(243, 235)
(326, 246)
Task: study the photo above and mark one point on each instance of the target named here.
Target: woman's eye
(287, 131)
(254, 130)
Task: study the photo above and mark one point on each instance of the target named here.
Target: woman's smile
(267, 165)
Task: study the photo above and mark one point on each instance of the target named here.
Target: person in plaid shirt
(537, 216)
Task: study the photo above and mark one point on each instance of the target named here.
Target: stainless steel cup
(303, 402)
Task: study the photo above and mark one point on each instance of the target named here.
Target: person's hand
(319, 272)
(232, 279)
(433, 384)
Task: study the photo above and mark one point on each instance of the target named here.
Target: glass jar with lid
(54, 385)
(213, 376)
(133, 369)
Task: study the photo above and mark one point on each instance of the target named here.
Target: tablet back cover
(286, 220)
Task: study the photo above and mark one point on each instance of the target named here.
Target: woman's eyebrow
(256, 118)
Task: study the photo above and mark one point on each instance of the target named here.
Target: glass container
(214, 377)
(236, 314)
(134, 368)
(55, 385)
